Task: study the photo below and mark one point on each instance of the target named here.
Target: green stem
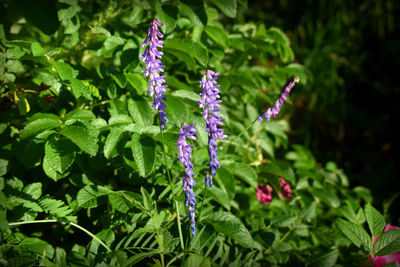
(248, 127)
(202, 202)
(71, 223)
(172, 190)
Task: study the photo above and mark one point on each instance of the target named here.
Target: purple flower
(210, 104)
(279, 102)
(185, 151)
(152, 57)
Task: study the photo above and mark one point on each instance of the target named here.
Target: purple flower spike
(211, 105)
(152, 57)
(279, 102)
(185, 156)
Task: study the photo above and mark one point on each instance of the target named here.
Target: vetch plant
(210, 103)
(152, 57)
(274, 111)
(185, 157)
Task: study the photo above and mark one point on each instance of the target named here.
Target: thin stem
(248, 127)
(71, 223)
(179, 225)
(202, 202)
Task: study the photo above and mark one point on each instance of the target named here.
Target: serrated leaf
(37, 49)
(80, 89)
(60, 153)
(34, 190)
(327, 197)
(245, 172)
(187, 95)
(387, 243)
(195, 260)
(64, 70)
(37, 245)
(110, 147)
(84, 138)
(355, 233)
(87, 196)
(326, 259)
(228, 7)
(138, 82)
(143, 151)
(118, 202)
(50, 172)
(376, 221)
(193, 49)
(147, 201)
(218, 35)
(176, 110)
(232, 227)
(82, 115)
(140, 111)
(194, 10)
(39, 123)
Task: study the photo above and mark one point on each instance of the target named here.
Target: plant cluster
(94, 171)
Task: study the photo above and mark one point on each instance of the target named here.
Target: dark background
(349, 111)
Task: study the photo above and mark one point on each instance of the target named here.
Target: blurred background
(349, 111)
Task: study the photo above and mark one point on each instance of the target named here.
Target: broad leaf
(388, 243)
(143, 151)
(232, 227)
(245, 172)
(376, 221)
(229, 7)
(39, 123)
(355, 233)
(82, 136)
(60, 153)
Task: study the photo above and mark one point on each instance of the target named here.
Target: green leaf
(194, 10)
(195, 260)
(65, 71)
(84, 138)
(138, 82)
(229, 7)
(309, 212)
(50, 172)
(326, 259)
(193, 49)
(375, 220)
(167, 14)
(3, 167)
(37, 49)
(245, 172)
(82, 115)
(355, 233)
(110, 147)
(118, 202)
(87, 196)
(39, 123)
(60, 153)
(140, 111)
(327, 197)
(388, 243)
(143, 151)
(79, 89)
(218, 35)
(176, 110)
(34, 190)
(232, 227)
(57, 208)
(190, 95)
(147, 201)
(38, 246)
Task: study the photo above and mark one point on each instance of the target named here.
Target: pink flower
(286, 192)
(382, 260)
(264, 194)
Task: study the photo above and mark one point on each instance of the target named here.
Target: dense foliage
(88, 177)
